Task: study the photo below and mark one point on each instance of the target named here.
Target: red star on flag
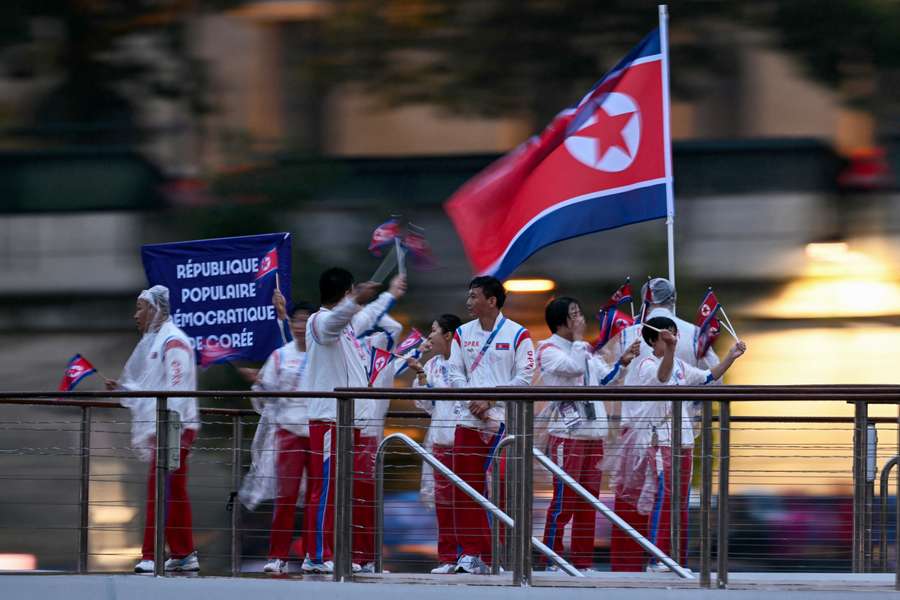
(608, 128)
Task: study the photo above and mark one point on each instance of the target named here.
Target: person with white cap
(162, 360)
(659, 298)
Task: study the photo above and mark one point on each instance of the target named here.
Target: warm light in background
(18, 562)
(838, 281)
(529, 285)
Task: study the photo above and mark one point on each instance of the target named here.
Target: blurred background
(142, 121)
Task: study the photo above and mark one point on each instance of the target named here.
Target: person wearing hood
(162, 360)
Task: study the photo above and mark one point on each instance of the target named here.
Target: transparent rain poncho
(146, 369)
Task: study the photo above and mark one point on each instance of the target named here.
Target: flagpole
(667, 139)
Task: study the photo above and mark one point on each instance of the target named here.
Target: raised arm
(555, 360)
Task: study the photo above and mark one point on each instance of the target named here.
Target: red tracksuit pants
(320, 481)
(292, 459)
(443, 506)
(364, 499)
(179, 524)
(581, 459)
(472, 451)
(661, 517)
(625, 553)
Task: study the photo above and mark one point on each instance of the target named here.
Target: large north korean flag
(600, 164)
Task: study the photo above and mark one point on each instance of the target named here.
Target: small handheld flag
(708, 327)
(418, 248)
(384, 236)
(645, 302)
(214, 353)
(380, 360)
(77, 369)
(612, 320)
(268, 264)
(413, 340)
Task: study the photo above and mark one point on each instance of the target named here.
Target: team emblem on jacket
(502, 346)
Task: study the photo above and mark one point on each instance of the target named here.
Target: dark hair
(333, 284)
(650, 336)
(556, 312)
(490, 287)
(448, 323)
(302, 305)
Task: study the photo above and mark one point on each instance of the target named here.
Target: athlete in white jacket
(663, 367)
(162, 360)
(488, 351)
(288, 422)
(625, 553)
(577, 429)
(337, 358)
(441, 433)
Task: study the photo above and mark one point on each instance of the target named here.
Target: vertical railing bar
(162, 473)
(343, 491)
(84, 500)
(511, 493)
(675, 500)
(723, 516)
(859, 434)
(524, 520)
(706, 497)
(897, 513)
(236, 433)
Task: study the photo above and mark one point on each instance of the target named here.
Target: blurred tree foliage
(536, 56)
(105, 55)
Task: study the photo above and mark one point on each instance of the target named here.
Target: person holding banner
(162, 360)
(284, 429)
(658, 296)
(336, 358)
(488, 351)
(576, 429)
(435, 373)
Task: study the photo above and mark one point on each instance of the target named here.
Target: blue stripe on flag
(587, 216)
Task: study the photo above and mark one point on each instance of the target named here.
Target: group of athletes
(332, 347)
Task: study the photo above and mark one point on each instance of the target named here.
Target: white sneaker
(355, 568)
(276, 565)
(145, 566)
(369, 567)
(445, 569)
(188, 563)
(590, 572)
(317, 567)
(472, 565)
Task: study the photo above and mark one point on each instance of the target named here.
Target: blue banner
(221, 290)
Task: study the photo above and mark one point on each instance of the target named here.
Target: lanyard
(487, 345)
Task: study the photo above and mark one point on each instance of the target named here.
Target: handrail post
(871, 470)
(524, 451)
(675, 508)
(84, 500)
(706, 496)
(511, 493)
(859, 486)
(379, 508)
(897, 513)
(162, 476)
(343, 491)
(236, 434)
(723, 516)
(883, 497)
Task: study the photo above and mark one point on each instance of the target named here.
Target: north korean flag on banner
(600, 164)
(267, 264)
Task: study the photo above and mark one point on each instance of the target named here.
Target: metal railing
(861, 396)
